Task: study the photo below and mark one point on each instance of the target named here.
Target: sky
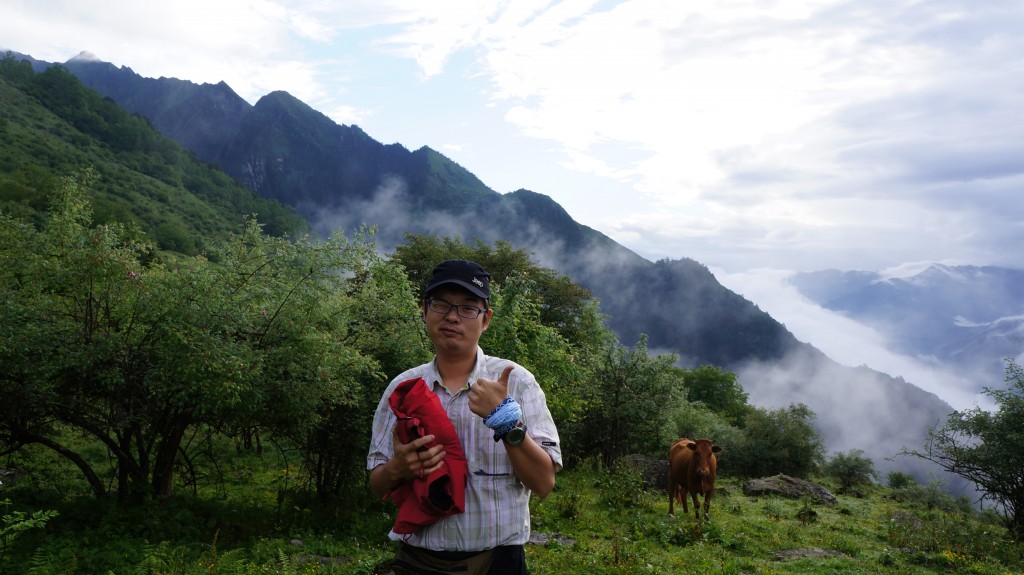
(757, 137)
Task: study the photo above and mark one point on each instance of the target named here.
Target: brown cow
(692, 468)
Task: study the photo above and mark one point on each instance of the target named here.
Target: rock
(788, 487)
(653, 471)
(545, 538)
(798, 553)
(906, 519)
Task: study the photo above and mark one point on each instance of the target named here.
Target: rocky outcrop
(787, 486)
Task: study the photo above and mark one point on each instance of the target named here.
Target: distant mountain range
(338, 177)
(963, 318)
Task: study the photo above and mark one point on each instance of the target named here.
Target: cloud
(854, 409)
(846, 124)
(796, 134)
(849, 342)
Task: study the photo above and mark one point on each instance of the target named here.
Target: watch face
(516, 435)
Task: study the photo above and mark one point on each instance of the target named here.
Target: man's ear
(487, 317)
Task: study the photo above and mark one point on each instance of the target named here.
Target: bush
(15, 523)
(777, 441)
(900, 480)
(931, 497)
(622, 487)
(851, 468)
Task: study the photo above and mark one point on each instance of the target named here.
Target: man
(502, 421)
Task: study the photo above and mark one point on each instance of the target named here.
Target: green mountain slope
(52, 126)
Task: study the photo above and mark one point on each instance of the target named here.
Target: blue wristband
(505, 416)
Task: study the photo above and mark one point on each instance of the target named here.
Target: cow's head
(704, 462)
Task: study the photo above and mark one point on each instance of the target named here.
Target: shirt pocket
(491, 462)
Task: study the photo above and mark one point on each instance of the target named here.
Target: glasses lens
(439, 306)
(468, 311)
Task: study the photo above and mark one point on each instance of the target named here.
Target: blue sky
(757, 137)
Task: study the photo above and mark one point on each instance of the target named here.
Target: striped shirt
(497, 503)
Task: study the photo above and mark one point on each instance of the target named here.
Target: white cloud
(845, 340)
(794, 134)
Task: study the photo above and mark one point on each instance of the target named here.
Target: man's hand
(486, 394)
(415, 459)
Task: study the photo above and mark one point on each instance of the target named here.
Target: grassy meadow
(253, 515)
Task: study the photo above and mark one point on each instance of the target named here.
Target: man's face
(449, 331)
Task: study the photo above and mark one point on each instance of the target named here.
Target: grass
(595, 523)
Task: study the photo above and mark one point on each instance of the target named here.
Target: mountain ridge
(339, 177)
(968, 319)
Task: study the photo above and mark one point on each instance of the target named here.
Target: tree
(777, 441)
(851, 468)
(985, 448)
(136, 355)
(718, 389)
(380, 320)
(697, 420)
(517, 332)
(626, 404)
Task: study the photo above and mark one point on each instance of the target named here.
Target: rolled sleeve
(536, 415)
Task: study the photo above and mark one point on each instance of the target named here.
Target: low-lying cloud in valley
(855, 344)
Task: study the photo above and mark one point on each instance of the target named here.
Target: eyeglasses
(442, 307)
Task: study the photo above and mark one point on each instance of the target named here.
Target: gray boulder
(787, 486)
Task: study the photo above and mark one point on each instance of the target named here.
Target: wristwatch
(516, 435)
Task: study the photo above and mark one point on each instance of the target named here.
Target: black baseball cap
(463, 273)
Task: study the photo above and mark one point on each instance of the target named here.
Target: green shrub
(570, 503)
(931, 497)
(900, 480)
(622, 487)
(777, 441)
(850, 468)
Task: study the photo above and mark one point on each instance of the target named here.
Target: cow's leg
(682, 497)
(671, 497)
(707, 505)
(696, 506)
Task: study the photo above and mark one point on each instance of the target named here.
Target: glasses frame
(460, 309)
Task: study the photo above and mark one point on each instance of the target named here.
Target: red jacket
(425, 500)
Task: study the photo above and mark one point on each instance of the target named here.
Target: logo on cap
(478, 282)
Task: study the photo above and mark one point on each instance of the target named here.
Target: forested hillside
(53, 126)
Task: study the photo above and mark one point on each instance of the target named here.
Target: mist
(855, 409)
(854, 344)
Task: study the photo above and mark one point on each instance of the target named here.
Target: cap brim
(475, 290)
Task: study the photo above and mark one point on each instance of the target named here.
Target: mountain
(338, 177)
(967, 319)
(52, 126)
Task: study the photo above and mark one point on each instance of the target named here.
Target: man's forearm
(533, 466)
(382, 481)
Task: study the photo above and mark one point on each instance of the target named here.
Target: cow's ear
(716, 449)
(691, 446)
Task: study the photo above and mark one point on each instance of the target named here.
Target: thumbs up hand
(487, 394)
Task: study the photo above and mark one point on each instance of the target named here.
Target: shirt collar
(478, 370)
